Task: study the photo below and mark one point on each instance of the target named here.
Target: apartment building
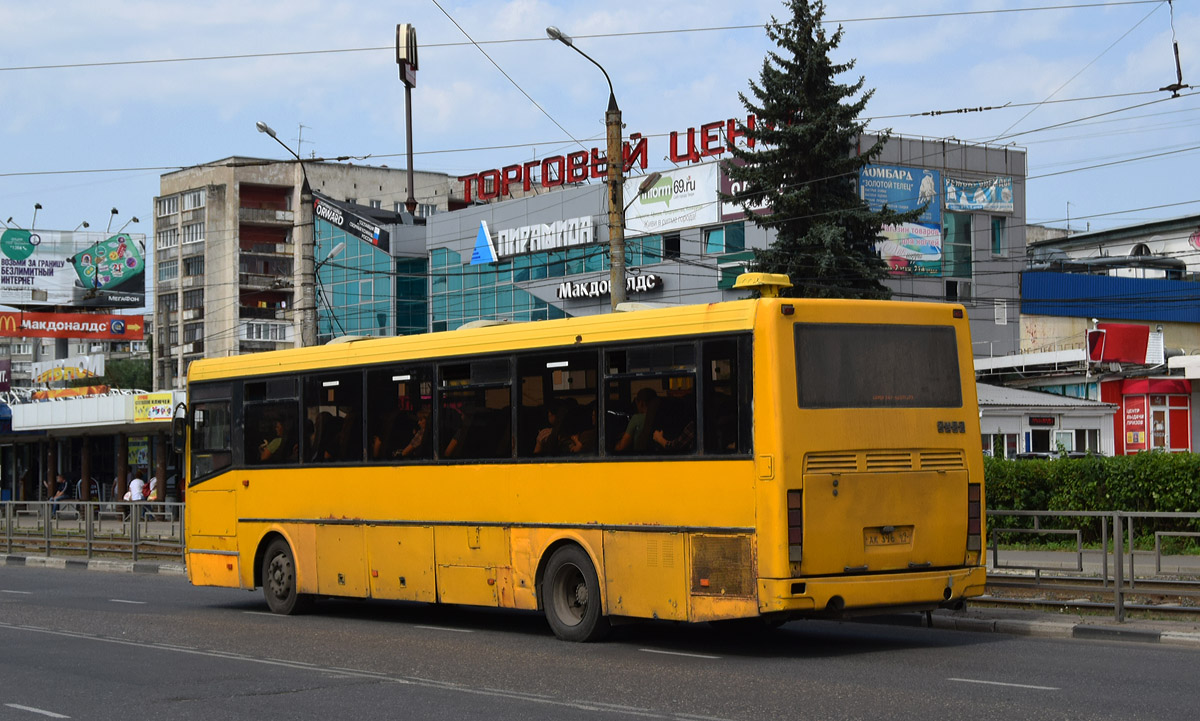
(227, 264)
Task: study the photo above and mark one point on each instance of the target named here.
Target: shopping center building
(546, 255)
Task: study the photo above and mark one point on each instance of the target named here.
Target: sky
(86, 136)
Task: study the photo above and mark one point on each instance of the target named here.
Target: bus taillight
(795, 525)
(974, 516)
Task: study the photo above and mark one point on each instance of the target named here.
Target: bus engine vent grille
(722, 566)
(949, 460)
(831, 463)
(889, 461)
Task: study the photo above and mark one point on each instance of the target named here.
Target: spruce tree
(803, 165)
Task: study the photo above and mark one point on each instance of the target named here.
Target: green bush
(1145, 482)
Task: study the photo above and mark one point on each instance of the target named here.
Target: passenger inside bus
(555, 438)
(583, 441)
(326, 430)
(683, 442)
(276, 447)
(418, 446)
(638, 431)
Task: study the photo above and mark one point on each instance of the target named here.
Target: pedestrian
(137, 488)
(60, 492)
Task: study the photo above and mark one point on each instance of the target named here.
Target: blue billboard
(907, 248)
(902, 189)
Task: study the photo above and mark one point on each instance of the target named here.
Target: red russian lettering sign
(1135, 423)
(693, 146)
(90, 326)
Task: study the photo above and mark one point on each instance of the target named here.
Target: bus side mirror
(179, 428)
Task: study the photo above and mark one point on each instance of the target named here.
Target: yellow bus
(769, 458)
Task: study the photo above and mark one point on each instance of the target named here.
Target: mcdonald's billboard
(89, 326)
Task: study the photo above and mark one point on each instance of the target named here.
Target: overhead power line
(333, 51)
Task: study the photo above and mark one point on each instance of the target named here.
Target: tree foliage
(127, 373)
(801, 163)
(1154, 482)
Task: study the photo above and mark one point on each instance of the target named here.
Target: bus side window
(476, 409)
(333, 403)
(558, 400)
(211, 430)
(399, 414)
(721, 416)
(651, 400)
(271, 426)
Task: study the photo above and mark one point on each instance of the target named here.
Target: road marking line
(265, 613)
(409, 680)
(677, 653)
(121, 600)
(1013, 685)
(23, 593)
(445, 628)
(31, 709)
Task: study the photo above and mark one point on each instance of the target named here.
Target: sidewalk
(977, 618)
(79, 563)
(1090, 561)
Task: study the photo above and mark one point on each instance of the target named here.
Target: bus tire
(571, 596)
(279, 580)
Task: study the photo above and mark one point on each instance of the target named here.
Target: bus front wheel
(571, 596)
(279, 580)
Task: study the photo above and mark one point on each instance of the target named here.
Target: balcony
(260, 216)
(263, 313)
(278, 249)
(253, 331)
(261, 281)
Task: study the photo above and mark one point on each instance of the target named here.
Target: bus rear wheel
(571, 596)
(279, 580)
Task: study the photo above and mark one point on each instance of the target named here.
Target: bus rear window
(864, 365)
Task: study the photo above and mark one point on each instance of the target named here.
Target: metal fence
(1111, 568)
(137, 530)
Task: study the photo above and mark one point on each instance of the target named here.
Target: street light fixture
(111, 214)
(83, 225)
(304, 235)
(134, 219)
(643, 187)
(616, 169)
(36, 208)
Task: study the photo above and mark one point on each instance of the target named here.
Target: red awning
(1121, 342)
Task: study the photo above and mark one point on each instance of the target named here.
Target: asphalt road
(89, 645)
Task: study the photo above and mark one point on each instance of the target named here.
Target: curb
(95, 564)
(1058, 629)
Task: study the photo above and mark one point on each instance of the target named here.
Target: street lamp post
(616, 180)
(406, 58)
(305, 243)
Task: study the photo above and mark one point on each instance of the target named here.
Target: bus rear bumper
(846, 595)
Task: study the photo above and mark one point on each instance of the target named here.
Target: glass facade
(363, 290)
(462, 293)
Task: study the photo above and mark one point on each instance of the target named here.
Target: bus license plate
(899, 536)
